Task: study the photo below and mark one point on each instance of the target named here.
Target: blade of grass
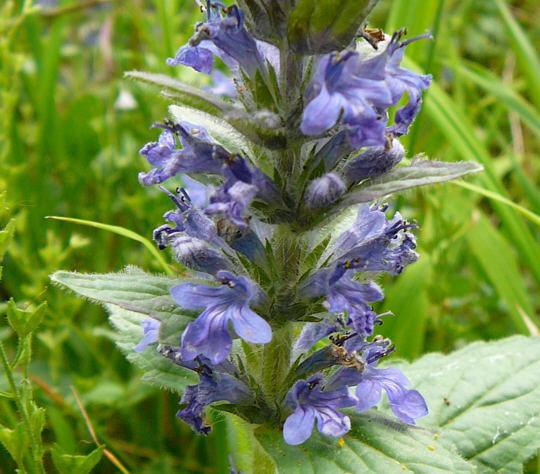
(525, 51)
(455, 125)
(428, 66)
(495, 256)
(123, 232)
(532, 192)
(107, 453)
(408, 327)
(496, 87)
(497, 197)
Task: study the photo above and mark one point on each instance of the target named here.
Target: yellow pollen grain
(341, 442)
(431, 448)
(436, 435)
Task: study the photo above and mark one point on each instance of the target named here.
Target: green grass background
(69, 148)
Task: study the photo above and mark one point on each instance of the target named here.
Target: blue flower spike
(280, 273)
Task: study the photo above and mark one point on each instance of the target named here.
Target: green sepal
(322, 26)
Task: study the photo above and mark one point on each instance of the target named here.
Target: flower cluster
(249, 224)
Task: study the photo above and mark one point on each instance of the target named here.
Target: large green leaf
(375, 443)
(132, 289)
(485, 399)
(418, 173)
(130, 297)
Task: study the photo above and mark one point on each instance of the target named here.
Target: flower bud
(323, 191)
(374, 162)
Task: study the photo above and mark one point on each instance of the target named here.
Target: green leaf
(220, 130)
(317, 26)
(132, 289)
(454, 123)
(485, 399)
(70, 463)
(495, 256)
(375, 444)
(524, 49)
(182, 92)
(497, 197)
(159, 371)
(22, 321)
(16, 441)
(502, 91)
(130, 297)
(418, 173)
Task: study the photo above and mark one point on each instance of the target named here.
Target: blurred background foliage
(70, 131)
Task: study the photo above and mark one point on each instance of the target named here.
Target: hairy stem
(275, 366)
(37, 464)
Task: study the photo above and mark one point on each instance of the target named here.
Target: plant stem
(37, 464)
(276, 361)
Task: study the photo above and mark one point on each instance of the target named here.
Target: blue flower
(346, 295)
(214, 385)
(344, 86)
(313, 332)
(244, 183)
(224, 36)
(231, 200)
(406, 404)
(310, 403)
(374, 244)
(209, 333)
(360, 90)
(186, 219)
(323, 191)
(402, 80)
(199, 153)
(199, 194)
(374, 162)
(150, 334)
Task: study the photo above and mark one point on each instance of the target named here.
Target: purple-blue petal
(194, 296)
(409, 406)
(197, 57)
(207, 335)
(150, 333)
(368, 394)
(249, 325)
(331, 422)
(321, 113)
(299, 425)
